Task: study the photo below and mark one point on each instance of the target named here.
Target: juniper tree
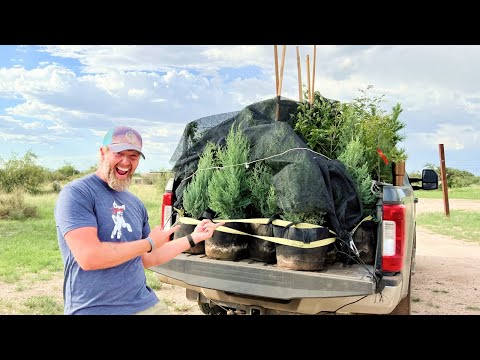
(195, 195)
(229, 192)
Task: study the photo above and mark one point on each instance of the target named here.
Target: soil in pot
(296, 258)
(226, 246)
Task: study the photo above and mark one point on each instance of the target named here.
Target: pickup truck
(251, 287)
(246, 286)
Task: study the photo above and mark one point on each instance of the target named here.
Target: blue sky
(58, 101)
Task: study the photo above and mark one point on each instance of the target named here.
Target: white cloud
(159, 88)
(455, 137)
(136, 93)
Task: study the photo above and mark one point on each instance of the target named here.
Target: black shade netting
(304, 181)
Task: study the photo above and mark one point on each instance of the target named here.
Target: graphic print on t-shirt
(117, 216)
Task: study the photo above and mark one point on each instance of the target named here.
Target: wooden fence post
(444, 179)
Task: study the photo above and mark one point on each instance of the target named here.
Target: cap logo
(130, 137)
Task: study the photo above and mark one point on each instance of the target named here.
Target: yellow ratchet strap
(283, 241)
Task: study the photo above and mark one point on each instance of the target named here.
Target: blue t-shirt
(119, 216)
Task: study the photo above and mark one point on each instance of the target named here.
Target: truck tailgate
(248, 277)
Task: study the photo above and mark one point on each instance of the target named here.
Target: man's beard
(113, 181)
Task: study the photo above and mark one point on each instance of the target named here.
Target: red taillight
(393, 228)
(167, 210)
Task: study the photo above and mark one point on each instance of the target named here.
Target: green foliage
(354, 160)
(310, 218)
(320, 124)
(66, 173)
(264, 198)
(415, 174)
(43, 305)
(90, 170)
(471, 192)
(450, 225)
(329, 126)
(158, 179)
(56, 186)
(195, 195)
(22, 173)
(152, 280)
(229, 191)
(455, 178)
(379, 130)
(13, 206)
(30, 245)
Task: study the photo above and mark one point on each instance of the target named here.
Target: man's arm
(169, 249)
(93, 254)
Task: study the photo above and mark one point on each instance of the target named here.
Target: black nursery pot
(295, 258)
(226, 246)
(258, 249)
(184, 230)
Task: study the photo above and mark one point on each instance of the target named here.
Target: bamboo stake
(299, 69)
(313, 75)
(276, 67)
(308, 81)
(284, 50)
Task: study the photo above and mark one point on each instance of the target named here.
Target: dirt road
(447, 276)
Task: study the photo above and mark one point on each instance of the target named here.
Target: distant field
(471, 193)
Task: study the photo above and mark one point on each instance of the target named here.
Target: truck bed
(253, 278)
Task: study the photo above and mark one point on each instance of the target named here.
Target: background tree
(455, 178)
(65, 173)
(22, 173)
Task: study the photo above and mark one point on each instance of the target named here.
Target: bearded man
(104, 267)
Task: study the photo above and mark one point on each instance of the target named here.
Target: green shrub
(354, 160)
(22, 173)
(310, 218)
(56, 186)
(321, 125)
(264, 198)
(329, 126)
(195, 195)
(13, 206)
(65, 173)
(455, 178)
(229, 193)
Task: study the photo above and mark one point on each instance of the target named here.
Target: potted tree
(195, 195)
(264, 201)
(229, 197)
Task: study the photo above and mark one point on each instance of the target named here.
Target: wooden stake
(275, 52)
(313, 75)
(299, 69)
(399, 167)
(308, 81)
(284, 49)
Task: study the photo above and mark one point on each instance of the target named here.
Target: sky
(59, 101)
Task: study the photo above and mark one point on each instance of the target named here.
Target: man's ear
(103, 151)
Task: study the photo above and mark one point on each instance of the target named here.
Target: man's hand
(204, 230)
(160, 236)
